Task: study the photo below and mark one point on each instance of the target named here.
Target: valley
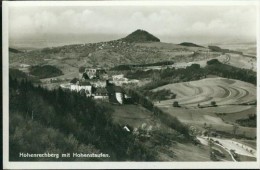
(210, 94)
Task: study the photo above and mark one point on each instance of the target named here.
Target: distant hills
(138, 48)
(14, 50)
(140, 36)
(189, 44)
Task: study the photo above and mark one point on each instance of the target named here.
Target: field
(246, 48)
(230, 96)
(242, 61)
(222, 91)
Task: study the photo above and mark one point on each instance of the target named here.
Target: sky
(52, 26)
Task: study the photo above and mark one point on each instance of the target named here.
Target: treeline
(189, 44)
(57, 121)
(218, 49)
(159, 95)
(131, 66)
(191, 73)
(14, 50)
(140, 74)
(168, 120)
(45, 71)
(172, 75)
(54, 50)
(227, 71)
(19, 75)
(248, 122)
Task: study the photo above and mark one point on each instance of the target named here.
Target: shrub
(45, 71)
(213, 61)
(82, 69)
(213, 103)
(74, 80)
(176, 104)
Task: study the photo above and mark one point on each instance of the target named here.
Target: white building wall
(119, 97)
(100, 97)
(75, 87)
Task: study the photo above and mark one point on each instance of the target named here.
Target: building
(101, 93)
(119, 93)
(92, 73)
(115, 93)
(66, 86)
(117, 77)
(79, 86)
(120, 80)
(95, 73)
(98, 83)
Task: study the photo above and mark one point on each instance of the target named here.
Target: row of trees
(190, 73)
(159, 95)
(248, 122)
(132, 66)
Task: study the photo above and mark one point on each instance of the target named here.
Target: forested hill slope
(56, 121)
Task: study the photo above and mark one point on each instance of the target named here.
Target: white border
(135, 3)
(114, 165)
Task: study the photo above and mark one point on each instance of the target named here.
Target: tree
(205, 125)
(235, 127)
(85, 76)
(82, 69)
(74, 80)
(176, 104)
(213, 103)
(213, 61)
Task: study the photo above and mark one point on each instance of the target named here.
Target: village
(95, 83)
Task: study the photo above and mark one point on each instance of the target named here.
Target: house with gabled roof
(101, 93)
(79, 86)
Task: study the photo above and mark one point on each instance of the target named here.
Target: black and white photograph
(166, 82)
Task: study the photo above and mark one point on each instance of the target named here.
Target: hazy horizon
(60, 40)
(41, 26)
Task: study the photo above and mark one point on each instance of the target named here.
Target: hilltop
(140, 36)
(138, 48)
(189, 44)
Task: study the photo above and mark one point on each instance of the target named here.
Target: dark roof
(84, 83)
(74, 80)
(114, 89)
(110, 89)
(101, 91)
(118, 89)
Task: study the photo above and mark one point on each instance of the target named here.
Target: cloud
(233, 21)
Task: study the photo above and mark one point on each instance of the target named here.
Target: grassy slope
(183, 152)
(136, 115)
(197, 117)
(133, 115)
